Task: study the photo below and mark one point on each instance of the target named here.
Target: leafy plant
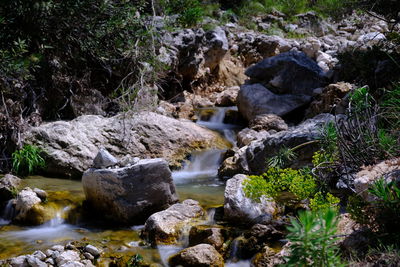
(284, 156)
(319, 201)
(27, 160)
(276, 181)
(135, 261)
(313, 239)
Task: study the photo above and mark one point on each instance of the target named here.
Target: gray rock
(58, 248)
(255, 99)
(19, 261)
(202, 255)
(92, 250)
(246, 136)
(268, 122)
(39, 254)
(240, 209)
(165, 226)
(35, 262)
(26, 201)
(130, 194)
(88, 256)
(206, 235)
(288, 73)
(217, 46)
(258, 152)
(50, 261)
(72, 145)
(68, 256)
(40, 193)
(8, 187)
(72, 264)
(104, 159)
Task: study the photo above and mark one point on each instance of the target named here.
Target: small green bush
(27, 160)
(320, 202)
(312, 238)
(190, 12)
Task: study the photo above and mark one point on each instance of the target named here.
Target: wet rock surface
(8, 187)
(130, 194)
(202, 255)
(167, 225)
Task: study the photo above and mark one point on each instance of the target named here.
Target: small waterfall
(8, 213)
(216, 122)
(210, 216)
(202, 165)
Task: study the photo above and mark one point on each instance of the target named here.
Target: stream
(198, 180)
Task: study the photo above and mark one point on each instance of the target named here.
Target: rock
(202, 255)
(257, 152)
(240, 209)
(40, 255)
(130, 194)
(288, 73)
(28, 209)
(58, 248)
(8, 187)
(165, 226)
(255, 99)
(217, 46)
(311, 47)
(372, 38)
(88, 256)
(246, 136)
(104, 159)
(72, 264)
(67, 256)
(206, 235)
(268, 122)
(35, 262)
(369, 174)
(19, 261)
(227, 97)
(92, 250)
(234, 164)
(50, 261)
(329, 100)
(72, 145)
(40, 193)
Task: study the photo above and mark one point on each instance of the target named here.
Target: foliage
(313, 239)
(383, 213)
(276, 180)
(190, 11)
(360, 99)
(319, 201)
(27, 160)
(284, 156)
(388, 143)
(135, 261)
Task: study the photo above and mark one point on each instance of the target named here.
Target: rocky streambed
(197, 185)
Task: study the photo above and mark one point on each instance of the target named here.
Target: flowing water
(196, 180)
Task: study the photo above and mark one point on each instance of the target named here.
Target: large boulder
(251, 159)
(130, 194)
(8, 187)
(202, 255)
(204, 234)
(288, 73)
(70, 146)
(241, 209)
(255, 99)
(167, 225)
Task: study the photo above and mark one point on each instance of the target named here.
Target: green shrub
(282, 159)
(27, 160)
(276, 181)
(319, 201)
(190, 12)
(313, 239)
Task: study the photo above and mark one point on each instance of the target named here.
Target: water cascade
(8, 213)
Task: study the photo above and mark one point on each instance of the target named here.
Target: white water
(8, 213)
(216, 122)
(54, 229)
(203, 165)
